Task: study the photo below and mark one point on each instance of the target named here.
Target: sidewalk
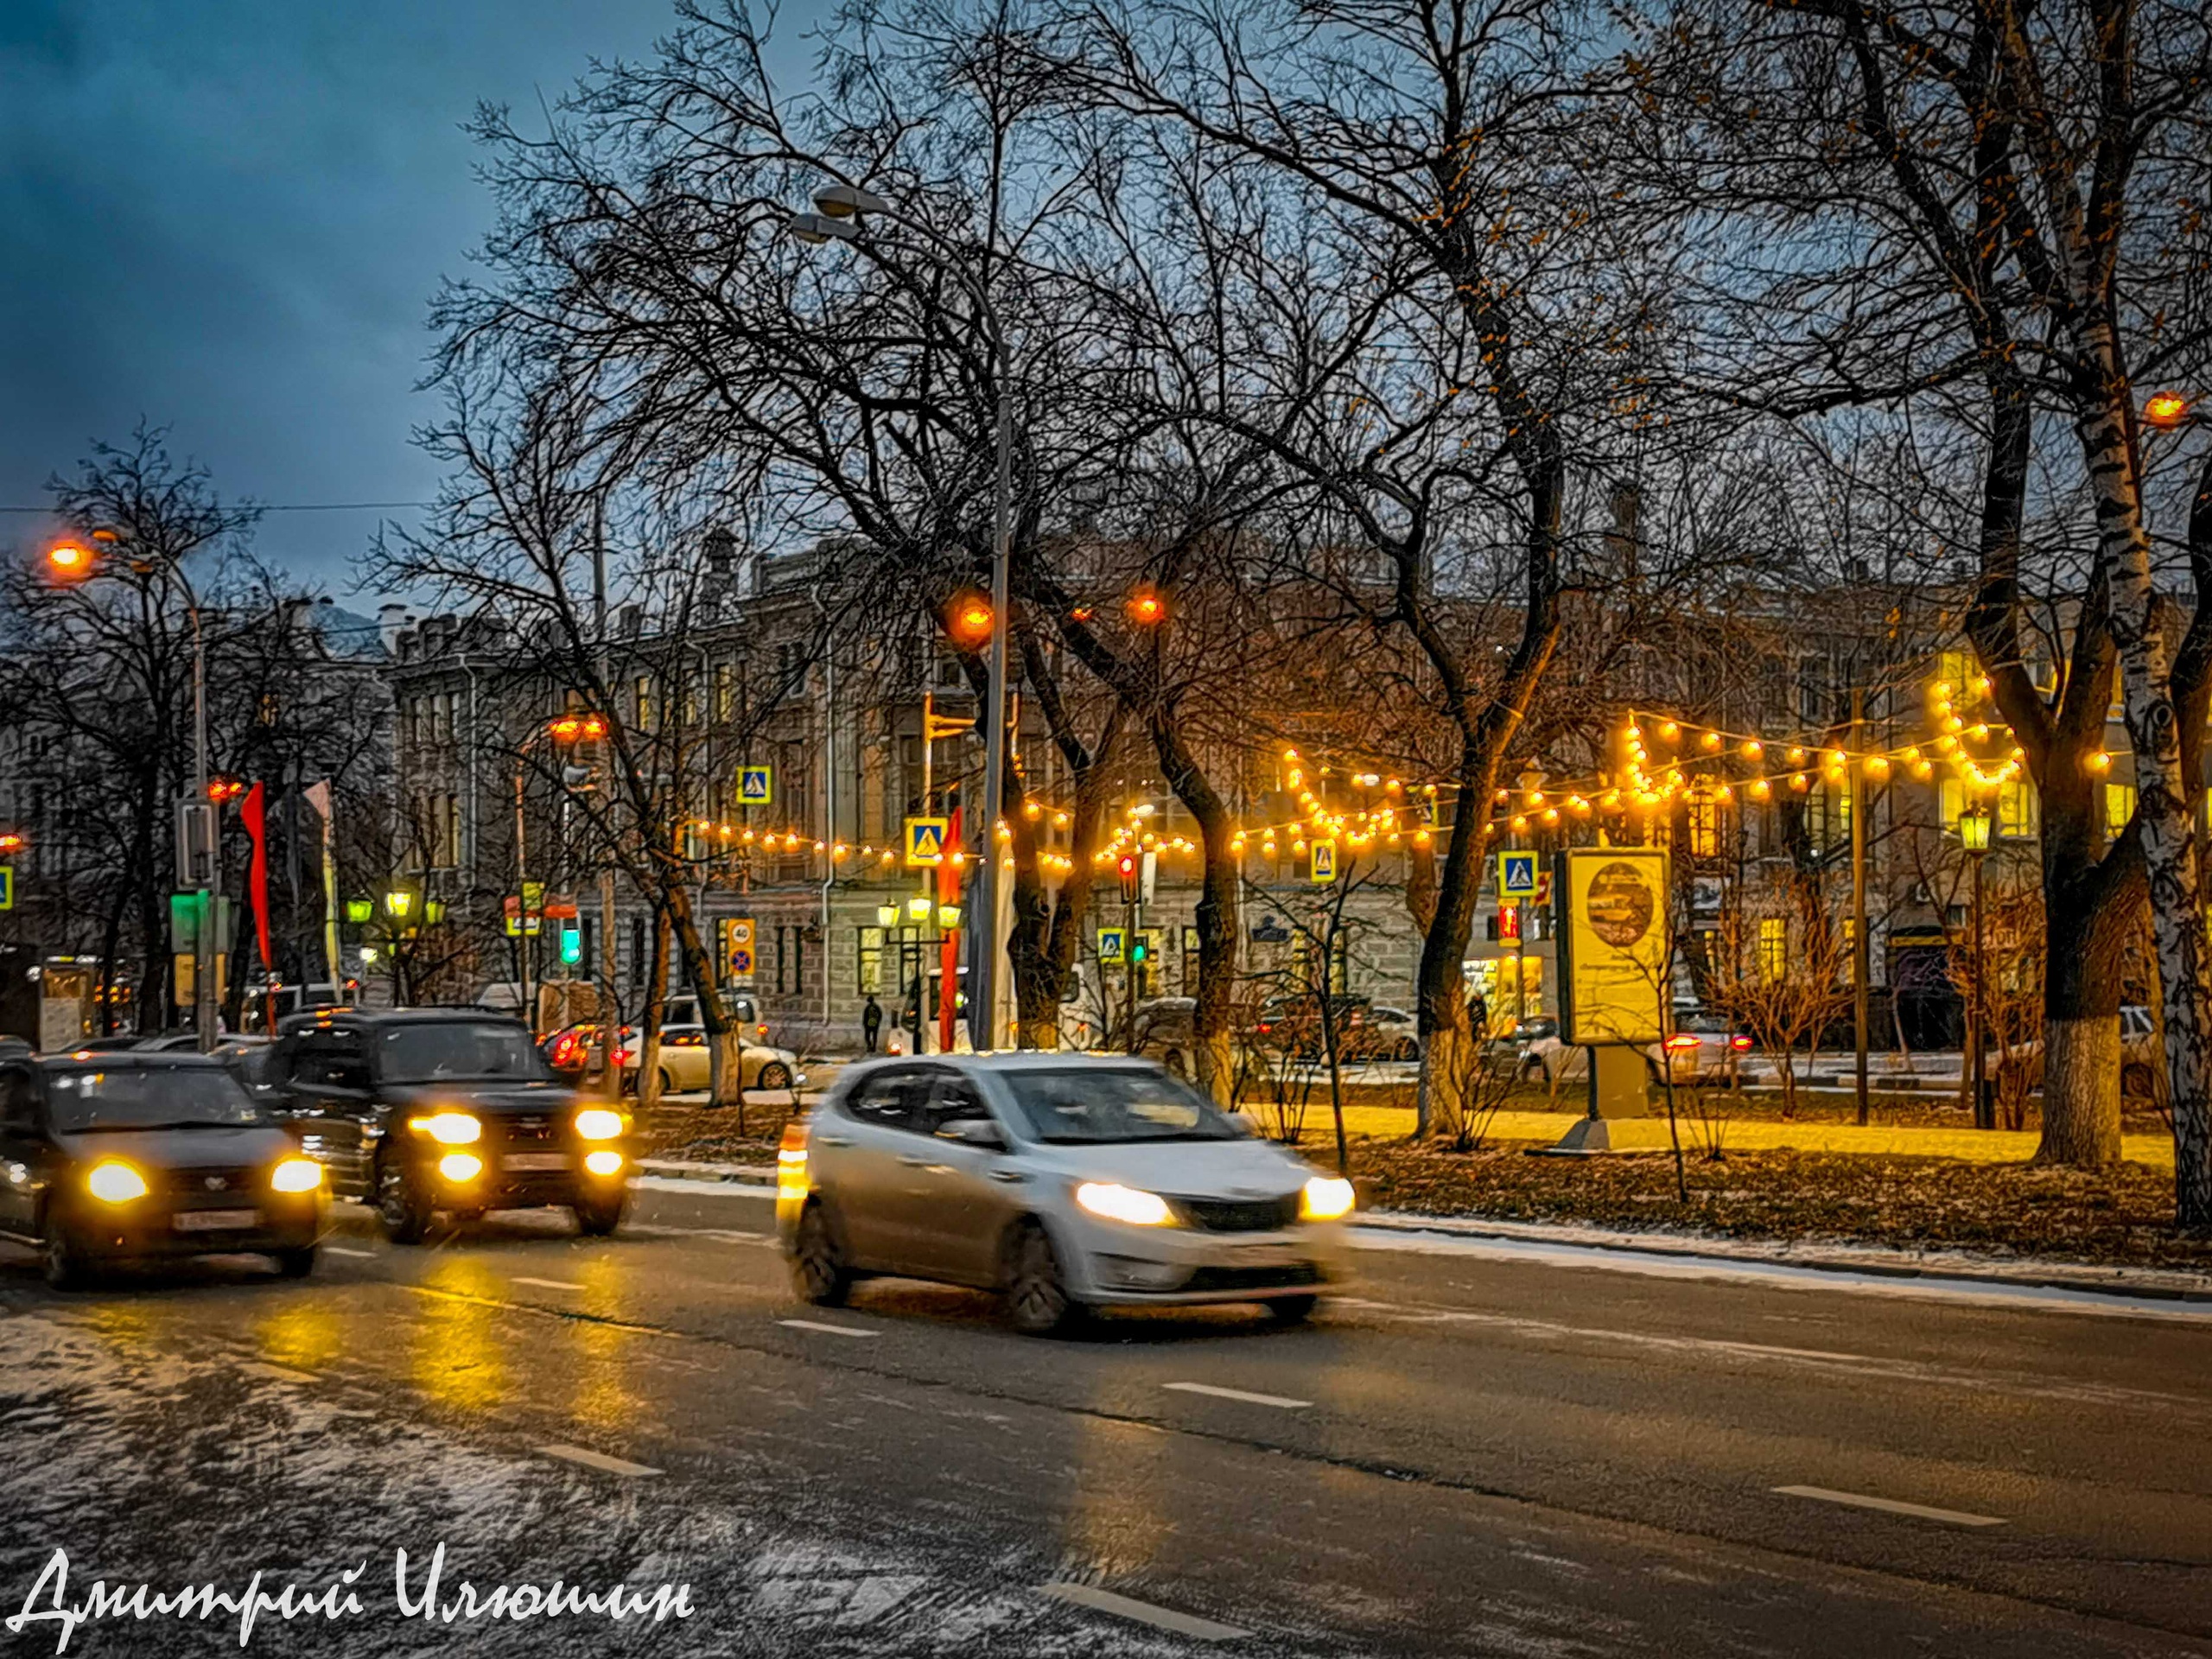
(1748, 1134)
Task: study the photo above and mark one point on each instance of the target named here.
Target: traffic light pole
(205, 937)
(992, 936)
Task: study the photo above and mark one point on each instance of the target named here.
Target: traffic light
(1139, 948)
(572, 943)
(1128, 869)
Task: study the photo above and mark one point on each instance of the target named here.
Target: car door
(23, 1151)
(857, 1151)
(962, 1197)
(688, 1059)
(326, 1081)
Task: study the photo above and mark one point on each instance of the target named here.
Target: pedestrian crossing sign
(756, 786)
(1517, 875)
(1112, 944)
(924, 842)
(1321, 856)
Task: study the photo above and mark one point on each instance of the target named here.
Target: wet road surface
(1470, 1453)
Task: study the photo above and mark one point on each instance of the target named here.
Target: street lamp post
(1974, 835)
(841, 205)
(72, 561)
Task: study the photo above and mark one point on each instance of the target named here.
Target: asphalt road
(1475, 1451)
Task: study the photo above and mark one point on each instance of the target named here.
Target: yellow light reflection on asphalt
(458, 1359)
(300, 1336)
(605, 1398)
(1116, 1523)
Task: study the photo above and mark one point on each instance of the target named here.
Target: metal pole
(205, 944)
(987, 882)
(522, 911)
(330, 907)
(1983, 1118)
(1858, 954)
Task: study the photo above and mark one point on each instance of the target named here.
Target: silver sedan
(1062, 1182)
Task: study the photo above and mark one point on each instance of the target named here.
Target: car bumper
(1112, 1264)
(505, 1182)
(160, 1232)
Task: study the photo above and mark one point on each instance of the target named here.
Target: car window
(331, 1057)
(889, 1099)
(953, 1099)
(1093, 1105)
(453, 1050)
(87, 1099)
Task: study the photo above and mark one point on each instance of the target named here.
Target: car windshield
(459, 1049)
(86, 1100)
(1089, 1105)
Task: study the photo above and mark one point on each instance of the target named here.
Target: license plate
(522, 1163)
(216, 1221)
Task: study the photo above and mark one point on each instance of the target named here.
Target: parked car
(1387, 1034)
(425, 1110)
(2142, 1063)
(1168, 1032)
(116, 1157)
(1063, 1183)
(1702, 1048)
(1294, 1023)
(686, 1059)
(1512, 1047)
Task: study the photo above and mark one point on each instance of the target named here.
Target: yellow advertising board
(1614, 984)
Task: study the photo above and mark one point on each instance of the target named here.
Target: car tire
(2137, 1081)
(1407, 1050)
(818, 1271)
(403, 1206)
(598, 1216)
(1038, 1303)
(1292, 1310)
(66, 1267)
(774, 1075)
(294, 1264)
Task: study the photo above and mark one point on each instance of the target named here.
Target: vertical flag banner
(251, 813)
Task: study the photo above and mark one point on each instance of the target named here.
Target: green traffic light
(572, 946)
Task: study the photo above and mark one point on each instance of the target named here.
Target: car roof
(119, 1060)
(472, 1016)
(1035, 1059)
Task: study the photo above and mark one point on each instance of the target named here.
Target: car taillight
(1681, 1040)
(1739, 1043)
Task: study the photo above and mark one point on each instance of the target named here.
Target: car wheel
(819, 1269)
(667, 1083)
(1292, 1310)
(66, 1267)
(1037, 1299)
(597, 1216)
(294, 1264)
(402, 1204)
(2136, 1080)
(1409, 1050)
(774, 1075)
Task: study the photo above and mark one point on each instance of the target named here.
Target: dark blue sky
(228, 216)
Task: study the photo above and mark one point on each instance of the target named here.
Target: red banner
(250, 814)
(948, 893)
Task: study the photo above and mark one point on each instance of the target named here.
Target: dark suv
(454, 1109)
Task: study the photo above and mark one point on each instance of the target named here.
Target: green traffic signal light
(572, 944)
(1138, 951)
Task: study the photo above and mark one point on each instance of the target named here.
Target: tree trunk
(725, 1059)
(2090, 907)
(655, 1008)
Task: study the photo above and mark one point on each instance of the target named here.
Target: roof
(114, 1059)
(443, 1016)
(1032, 1060)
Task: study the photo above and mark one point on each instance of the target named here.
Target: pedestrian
(872, 1021)
(1477, 1015)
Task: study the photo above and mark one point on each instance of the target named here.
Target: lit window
(1774, 949)
(2119, 807)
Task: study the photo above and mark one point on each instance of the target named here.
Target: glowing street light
(70, 561)
(1147, 608)
(2165, 410)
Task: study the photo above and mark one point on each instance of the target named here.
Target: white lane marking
(275, 1373)
(1929, 1372)
(708, 1189)
(340, 1249)
(595, 1460)
(548, 1284)
(1783, 1275)
(1890, 1506)
(1277, 1399)
(724, 1235)
(1143, 1612)
(828, 1330)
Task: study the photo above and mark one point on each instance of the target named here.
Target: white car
(1063, 1183)
(687, 1058)
(1703, 1048)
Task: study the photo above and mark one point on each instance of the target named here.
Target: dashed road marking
(599, 1460)
(1143, 1612)
(548, 1284)
(829, 1330)
(340, 1249)
(1891, 1506)
(1281, 1402)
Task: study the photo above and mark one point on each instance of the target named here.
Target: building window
(780, 933)
(2119, 807)
(1774, 949)
(725, 691)
(870, 981)
(641, 703)
(2017, 816)
(1704, 827)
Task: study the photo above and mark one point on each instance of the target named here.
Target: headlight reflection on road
(1116, 1524)
(458, 1358)
(300, 1335)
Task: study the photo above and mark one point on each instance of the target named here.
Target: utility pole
(1859, 952)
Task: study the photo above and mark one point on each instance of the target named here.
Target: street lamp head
(968, 619)
(815, 229)
(948, 916)
(1147, 608)
(69, 560)
(917, 908)
(846, 201)
(886, 916)
(2165, 410)
(1974, 828)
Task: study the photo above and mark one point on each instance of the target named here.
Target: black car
(111, 1157)
(455, 1109)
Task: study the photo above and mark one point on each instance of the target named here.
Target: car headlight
(1325, 1198)
(597, 1123)
(1118, 1203)
(295, 1175)
(115, 1183)
(460, 1166)
(449, 1129)
(605, 1161)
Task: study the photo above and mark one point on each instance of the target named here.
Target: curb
(2157, 1284)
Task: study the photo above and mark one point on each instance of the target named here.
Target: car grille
(1240, 1215)
(525, 1128)
(235, 1182)
(1291, 1273)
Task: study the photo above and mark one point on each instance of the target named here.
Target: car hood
(1191, 1169)
(498, 1098)
(215, 1148)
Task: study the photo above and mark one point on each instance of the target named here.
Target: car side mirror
(979, 1131)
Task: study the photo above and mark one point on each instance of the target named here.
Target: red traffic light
(224, 789)
(1127, 868)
